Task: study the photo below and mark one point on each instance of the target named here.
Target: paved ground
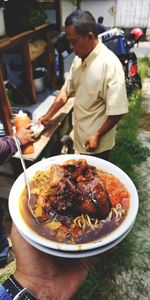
(143, 49)
(137, 283)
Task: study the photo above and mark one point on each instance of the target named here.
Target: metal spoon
(28, 183)
(25, 177)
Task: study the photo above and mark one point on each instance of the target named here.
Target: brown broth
(87, 235)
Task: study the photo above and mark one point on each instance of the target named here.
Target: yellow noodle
(89, 221)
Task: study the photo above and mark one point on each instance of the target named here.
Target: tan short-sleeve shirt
(98, 87)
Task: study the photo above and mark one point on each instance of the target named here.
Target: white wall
(133, 13)
(67, 8)
(121, 13)
(96, 7)
(105, 8)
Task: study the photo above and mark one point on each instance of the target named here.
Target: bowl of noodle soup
(80, 230)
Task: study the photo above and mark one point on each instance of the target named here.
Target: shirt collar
(92, 55)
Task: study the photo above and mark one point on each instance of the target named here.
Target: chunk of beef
(80, 191)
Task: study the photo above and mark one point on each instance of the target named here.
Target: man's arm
(92, 143)
(109, 124)
(60, 101)
(8, 146)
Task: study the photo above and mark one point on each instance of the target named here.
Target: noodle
(71, 228)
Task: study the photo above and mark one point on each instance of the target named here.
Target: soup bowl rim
(14, 203)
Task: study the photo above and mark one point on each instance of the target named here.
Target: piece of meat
(95, 201)
(78, 191)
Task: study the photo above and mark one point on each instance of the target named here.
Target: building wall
(105, 8)
(121, 13)
(133, 13)
(67, 8)
(98, 8)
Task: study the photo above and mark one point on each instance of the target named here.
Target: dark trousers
(103, 155)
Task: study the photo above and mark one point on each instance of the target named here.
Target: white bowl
(37, 129)
(77, 254)
(19, 184)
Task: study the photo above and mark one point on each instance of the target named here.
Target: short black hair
(83, 22)
(100, 19)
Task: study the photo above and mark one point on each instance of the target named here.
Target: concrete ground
(137, 284)
(143, 49)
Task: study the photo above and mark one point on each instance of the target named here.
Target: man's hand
(92, 143)
(25, 134)
(60, 101)
(45, 119)
(48, 277)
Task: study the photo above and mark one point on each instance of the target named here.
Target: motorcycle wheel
(66, 145)
(133, 83)
(137, 82)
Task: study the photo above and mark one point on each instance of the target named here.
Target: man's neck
(94, 45)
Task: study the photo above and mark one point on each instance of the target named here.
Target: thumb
(86, 143)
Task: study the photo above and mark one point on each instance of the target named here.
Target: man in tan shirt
(96, 81)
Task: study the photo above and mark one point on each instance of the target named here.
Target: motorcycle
(121, 44)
